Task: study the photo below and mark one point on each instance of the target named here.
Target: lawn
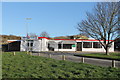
(26, 66)
(102, 55)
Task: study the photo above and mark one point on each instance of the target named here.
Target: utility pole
(27, 24)
(28, 47)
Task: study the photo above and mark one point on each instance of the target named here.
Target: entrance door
(79, 46)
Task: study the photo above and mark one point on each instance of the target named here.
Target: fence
(84, 59)
(113, 60)
(80, 58)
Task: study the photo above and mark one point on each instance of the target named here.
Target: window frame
(67, 46)
(98, 45)
(85, 45)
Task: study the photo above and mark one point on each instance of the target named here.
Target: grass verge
(102, 55)
(26, 66)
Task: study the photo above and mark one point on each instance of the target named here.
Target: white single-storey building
(45, 44)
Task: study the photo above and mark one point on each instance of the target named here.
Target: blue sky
(56, 18)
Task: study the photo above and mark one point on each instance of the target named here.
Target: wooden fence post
(38, 54)
(30, 53)
(14, 53)
(27, 52)
(82, 60)
(49, 55)
(113, 63)
(63, 57)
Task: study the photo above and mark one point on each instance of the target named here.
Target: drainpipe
(82, 45)
(76, 46)
(41, 44)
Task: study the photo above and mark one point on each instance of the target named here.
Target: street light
(27, 32)
(27, 25)
(28, 18)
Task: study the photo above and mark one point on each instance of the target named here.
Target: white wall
(36, 45)
(98, 49)
(40, 45)
(111, 49)
(44, 45)
(23, 46)
(73, 49)
(93, 49)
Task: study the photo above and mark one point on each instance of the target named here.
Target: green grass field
(26, 66)
(103, 55)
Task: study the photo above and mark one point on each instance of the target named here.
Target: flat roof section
(74, 39)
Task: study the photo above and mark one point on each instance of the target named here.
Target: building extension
(45, 44)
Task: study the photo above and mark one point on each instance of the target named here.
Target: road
(71, 57)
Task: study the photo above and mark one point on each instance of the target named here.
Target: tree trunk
(107, 50)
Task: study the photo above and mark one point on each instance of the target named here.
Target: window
(96, 45)
(27, 44)
(67, 46)
(87, 44)
(59, 46)
(30, 43)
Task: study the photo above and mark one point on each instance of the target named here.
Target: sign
(73, 45)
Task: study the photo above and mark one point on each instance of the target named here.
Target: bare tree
(102, 24)
(44, 34)
(32, 35)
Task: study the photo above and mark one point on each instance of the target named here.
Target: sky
(56, 18)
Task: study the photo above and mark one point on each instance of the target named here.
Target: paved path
(71, 57)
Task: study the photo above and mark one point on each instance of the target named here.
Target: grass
(26, 66)
(103, 55)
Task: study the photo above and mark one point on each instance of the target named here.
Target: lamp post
(28, 46)
(27, 25)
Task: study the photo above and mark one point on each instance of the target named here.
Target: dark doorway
(4, 47)
(50, 48)
(79, 46)
(14, 46)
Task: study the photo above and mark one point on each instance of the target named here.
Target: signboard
(73, 45)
